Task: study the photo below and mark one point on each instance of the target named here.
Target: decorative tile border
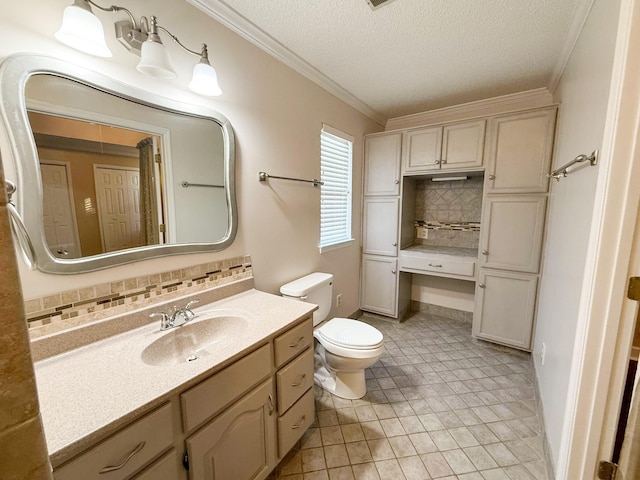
(100, 301)
(458, 226)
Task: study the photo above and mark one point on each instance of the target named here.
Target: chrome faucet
(178, 316)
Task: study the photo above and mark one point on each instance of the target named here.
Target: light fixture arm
(115, 8)
(155, 27)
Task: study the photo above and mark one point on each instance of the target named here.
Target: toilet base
(348, 385)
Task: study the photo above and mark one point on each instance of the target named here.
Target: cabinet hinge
(162, 227)
(185, 460)
(633, 292)
(607, 470)
(157, 157)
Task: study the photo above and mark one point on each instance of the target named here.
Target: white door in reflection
(58, 215)
(118, 193)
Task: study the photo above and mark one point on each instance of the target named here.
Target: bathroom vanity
(226, 395)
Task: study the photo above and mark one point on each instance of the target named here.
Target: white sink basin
(193, 340)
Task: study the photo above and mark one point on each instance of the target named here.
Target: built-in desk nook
(463, 201)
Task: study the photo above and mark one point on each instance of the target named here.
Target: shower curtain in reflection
(149, 228)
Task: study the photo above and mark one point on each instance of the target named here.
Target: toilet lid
(350, 333)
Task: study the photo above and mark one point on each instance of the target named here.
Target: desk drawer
(294, 379)
(443, 265)
(292, 342)
(210, 396)
(125, 452)
(293, 424)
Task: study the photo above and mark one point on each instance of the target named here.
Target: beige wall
(277, 115)
(583, 94)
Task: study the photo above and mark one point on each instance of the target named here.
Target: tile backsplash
(73, 307)
(450, 211)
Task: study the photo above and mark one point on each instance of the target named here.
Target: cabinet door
(380, 225)
(379, 286)
(422, 149)
(512, 228)
(382, 164)
(239, 443)
(504, 307)
(520, 148)
(463, 145)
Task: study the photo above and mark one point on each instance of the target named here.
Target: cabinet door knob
(481, 285)
(444, 160)
(485, 252)
(397, 182)
(492, 177)
(395, 244)
(393, 271)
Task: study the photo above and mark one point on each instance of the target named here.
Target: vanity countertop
(441, 250)
(89, 392)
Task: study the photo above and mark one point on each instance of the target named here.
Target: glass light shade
(82, 30)
(155, 60)
(205, 80)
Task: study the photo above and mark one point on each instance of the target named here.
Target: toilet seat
(349, 338)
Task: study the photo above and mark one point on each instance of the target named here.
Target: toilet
(343, 347)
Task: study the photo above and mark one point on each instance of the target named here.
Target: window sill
(336, 246)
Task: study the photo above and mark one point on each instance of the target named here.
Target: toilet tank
(313, 288)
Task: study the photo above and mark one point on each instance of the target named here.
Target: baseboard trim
(548, 457)
(440, 311)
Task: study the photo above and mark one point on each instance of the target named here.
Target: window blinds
(335, 194)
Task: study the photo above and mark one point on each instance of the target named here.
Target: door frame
(74, 217)
(604, 335)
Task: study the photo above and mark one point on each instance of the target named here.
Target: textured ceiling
(411, 56)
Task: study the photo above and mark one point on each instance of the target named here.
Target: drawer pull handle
(300, 423)
(297, 343)
(139, 447)
(271, 409)
(297, 384)
(435, 265)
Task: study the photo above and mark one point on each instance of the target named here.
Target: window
(335, 193)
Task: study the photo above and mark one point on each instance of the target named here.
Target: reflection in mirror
(120, 174)
(101, 186)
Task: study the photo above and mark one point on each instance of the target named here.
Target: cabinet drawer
(294, 379)
(164, 469)
(209, 397)
(293, 424)
(442, 265)
(291, 343)
(132, 447)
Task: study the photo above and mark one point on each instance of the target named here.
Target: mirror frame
(15, 71)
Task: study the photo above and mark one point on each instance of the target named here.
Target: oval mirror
(109, 174)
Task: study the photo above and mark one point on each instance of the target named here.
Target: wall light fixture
(82, 30)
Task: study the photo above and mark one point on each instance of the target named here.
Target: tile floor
(439, 405)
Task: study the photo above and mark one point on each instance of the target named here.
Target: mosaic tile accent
(100, 301)
(450, 211)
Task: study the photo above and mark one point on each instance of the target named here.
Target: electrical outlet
(338, 299)
(422, 232)
(543, 350)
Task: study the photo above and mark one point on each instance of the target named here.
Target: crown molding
(539, 97)
(231, 19)
(578, 21)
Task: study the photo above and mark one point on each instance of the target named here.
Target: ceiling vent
(375, 4)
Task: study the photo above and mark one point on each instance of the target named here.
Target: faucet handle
(166, 321)
(187, 309)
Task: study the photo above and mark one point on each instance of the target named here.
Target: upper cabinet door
(520, 148)
(463, 145)
(422, 149)
(382, 164)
